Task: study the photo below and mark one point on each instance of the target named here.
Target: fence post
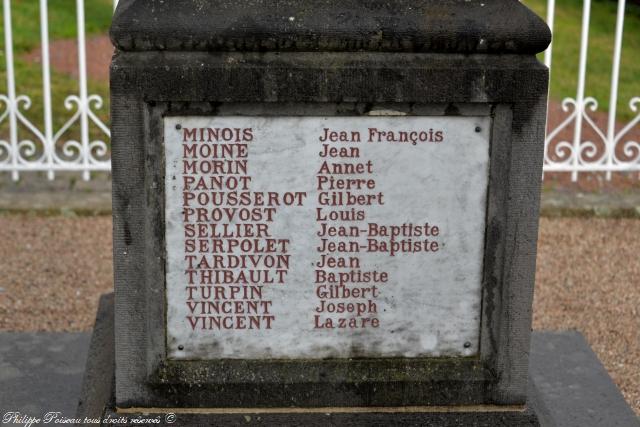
(613, 100)
(551, 10)
(83, 103)
(49, 143)
(11, 91)
(582, 71)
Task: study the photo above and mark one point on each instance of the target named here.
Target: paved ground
(54, 268)
(41, 372)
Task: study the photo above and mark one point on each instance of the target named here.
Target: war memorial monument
(325, 212)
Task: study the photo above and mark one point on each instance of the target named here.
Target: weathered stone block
(461, 103)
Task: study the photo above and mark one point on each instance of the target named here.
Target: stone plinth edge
(569, 387)
(433, 26)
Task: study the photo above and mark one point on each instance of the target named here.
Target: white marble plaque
(324, 237)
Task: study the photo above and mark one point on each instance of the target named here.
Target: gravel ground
(588, 278)
(54, 268)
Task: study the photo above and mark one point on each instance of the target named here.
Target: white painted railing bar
(582, 75)
(10, 98)
(551, 9)
(615, 77)
(46, 86)
(82, 80)
(611, 151)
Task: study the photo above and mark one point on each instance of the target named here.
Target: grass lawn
(566, 51)
(62, 21)
(26, 37)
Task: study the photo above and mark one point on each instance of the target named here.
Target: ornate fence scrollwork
(45, 150)
(592, 149)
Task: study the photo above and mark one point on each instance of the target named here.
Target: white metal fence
(28, 148)
(609, 151)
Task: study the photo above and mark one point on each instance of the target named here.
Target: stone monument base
(568, 387)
